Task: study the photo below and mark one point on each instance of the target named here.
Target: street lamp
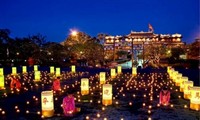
(74, 32)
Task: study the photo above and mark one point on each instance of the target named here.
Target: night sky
(55, 18)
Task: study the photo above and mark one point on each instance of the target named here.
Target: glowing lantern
(14, 70)
(1, 81)
(187, 87)
(47, 103)
(57, 71)
(174, 75)
(183, 79)
(37, 75)
(68, 105)
(134, 71)
(178, 79)
(102, 77)
(73, 68)
(1, 71)
(107, 94)
(169, 69)
(52, 69)
(84, 86)
(113, 73)
(119, 69)
(24, 69)
(35, 67)
(195, 98)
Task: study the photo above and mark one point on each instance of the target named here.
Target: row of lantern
(190, 91)
(37, 73)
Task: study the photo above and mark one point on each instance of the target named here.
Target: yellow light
(57, 71)
(195, 98)
(37, 75)
(113, 73)
(74, 32)
(35, 67)
(73, 68)
(1, 71)
(24, 69)
(134, 71)
(52, 69)
(183, 79)
(119, 69)
(187, 87)
(1, 82)
(84, 86)
(107, 94)
(14, 70)
(102, 77)
(47, 103)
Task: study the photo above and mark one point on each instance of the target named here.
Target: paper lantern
(171, 73)
(195, 98)
(169, 69)
(84, 86)
(52, 70)
(102, 77)
(1, 81)
(134, 71)
(69, 105)
(174, 75)
(187, 87)
(119, 69)
(112, 73)
(1, 71)
(73, 68)
(178, 79)
(24, 69)
(47, 103)
(107, 94)
(37, 75)
(35, 67)
(57, 71)
(14, 70)
(182, 80)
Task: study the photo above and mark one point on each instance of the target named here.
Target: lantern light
(52, 69)
(73, 68)
(57, 71)
(24, 69)
(102, 77)
(195, 98)
(14, 70)
(187, 87)
(182, 80)
(134, 71)
(119, 69)
(84, 86)
(1, 82)
(107, 94)
(35, 67)
(37, 76)
(113, 73)
(47, 103)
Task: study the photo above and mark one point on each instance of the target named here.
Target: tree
(176, 52)
(194, 49)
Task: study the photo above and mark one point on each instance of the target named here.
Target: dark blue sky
(55, 18)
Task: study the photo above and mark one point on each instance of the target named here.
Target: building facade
(135, 42)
